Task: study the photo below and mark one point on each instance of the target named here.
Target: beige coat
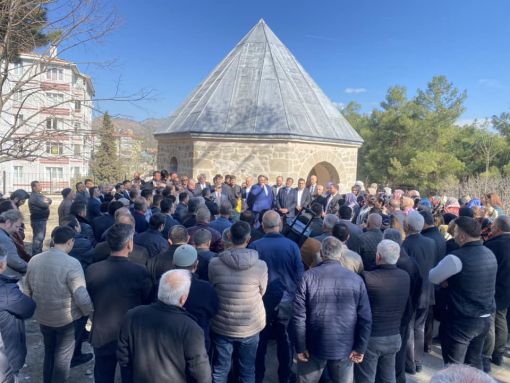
(56, 283)
(240, 280)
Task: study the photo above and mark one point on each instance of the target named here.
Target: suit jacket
(276, 190)
(287, 200)
(101, 224)
(258, 200)
(306, 197)
(224, 198)
(229, 192)
(199, 188)
(112, 296)
(314, 194)
(332, 207)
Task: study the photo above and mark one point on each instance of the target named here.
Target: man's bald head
(374, 221)
(271, 221)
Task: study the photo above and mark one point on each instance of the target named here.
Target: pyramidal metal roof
(260, 89)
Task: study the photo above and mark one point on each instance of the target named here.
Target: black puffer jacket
(15, 307)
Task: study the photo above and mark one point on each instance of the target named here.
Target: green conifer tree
(105, 166)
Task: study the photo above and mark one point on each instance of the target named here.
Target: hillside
(144, 129)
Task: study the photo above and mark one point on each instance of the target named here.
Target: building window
(55, 148)
(54, 173)
(54, 123)
(75, 171)
(55, 99)
(77, 106)
(54, 74)
(18, 172)
(77, 149)
(77, 127)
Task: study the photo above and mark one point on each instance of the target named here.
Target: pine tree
(105, 166)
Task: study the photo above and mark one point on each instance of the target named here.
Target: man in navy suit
(94, 204)
(261, 196)
(286, 199)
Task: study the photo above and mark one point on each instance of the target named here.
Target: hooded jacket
(240, 280)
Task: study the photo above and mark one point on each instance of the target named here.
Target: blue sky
(353, 49)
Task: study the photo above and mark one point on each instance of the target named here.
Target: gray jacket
(16, 267)
(56, 283)
(240, 280)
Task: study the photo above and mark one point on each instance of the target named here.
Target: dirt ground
(84, 374)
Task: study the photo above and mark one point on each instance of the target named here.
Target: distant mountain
(144, 129)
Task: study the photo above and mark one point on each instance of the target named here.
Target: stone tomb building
(259, 112)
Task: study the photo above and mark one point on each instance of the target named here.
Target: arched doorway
(325, 173)
(173, 165)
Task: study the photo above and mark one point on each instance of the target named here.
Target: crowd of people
(180, 280)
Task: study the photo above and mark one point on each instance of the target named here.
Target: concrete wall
(252, 157)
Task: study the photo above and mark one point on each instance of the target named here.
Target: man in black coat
(182, 207)
(437, 311)
(115, 285)
(388, 289)
(166, 207)
(286, 199)
(164, 261)
(202, 302)
(161, 342)
(202, 242)
(138, 254)
(369, 241)
(152, 239)
(102, 223)
(410, 266)
(500, 246)
(423, 250)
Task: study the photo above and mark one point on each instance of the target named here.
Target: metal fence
(52, 181)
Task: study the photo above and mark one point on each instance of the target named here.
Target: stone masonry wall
(251, 158)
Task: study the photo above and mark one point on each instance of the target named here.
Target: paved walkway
(83, 374)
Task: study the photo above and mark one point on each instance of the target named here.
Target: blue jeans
(340, 371)
(39, 232)
(246, 352)
(379, 362)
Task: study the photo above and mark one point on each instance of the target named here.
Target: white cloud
(489, 83)
(355, 90)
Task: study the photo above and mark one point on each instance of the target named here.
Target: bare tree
(31, 32)
(488, 146)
